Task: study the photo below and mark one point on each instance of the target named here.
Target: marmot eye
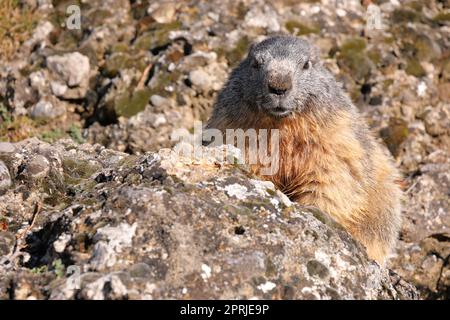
(255, 64)
(307, 65)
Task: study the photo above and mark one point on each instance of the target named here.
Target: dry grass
(19, 128)
(16, 24)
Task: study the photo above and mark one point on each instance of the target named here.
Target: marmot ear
(251, 47)
(254, 42)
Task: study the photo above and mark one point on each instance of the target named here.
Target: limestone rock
(169, 225)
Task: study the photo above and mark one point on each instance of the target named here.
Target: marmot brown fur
(328, 157)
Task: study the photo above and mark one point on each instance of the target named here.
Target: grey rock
(39, 81)
(163, 12)
(42, 31)
(166, 226)
(425, 245)
(200, 79)
(436, 120)
(159, 102)
(7, 147)
(5, 177)
(428, 199)
(38, 167)
(24, 96)
(262, 17)
(7, 242)
(47, 108)
(58, 89)
(73, 68)
(208, 78)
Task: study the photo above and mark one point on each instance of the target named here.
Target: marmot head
(280, 75)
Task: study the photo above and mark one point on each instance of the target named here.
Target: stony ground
(138, 70)
(166, 226)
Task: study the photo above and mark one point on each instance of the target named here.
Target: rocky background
(141, 222)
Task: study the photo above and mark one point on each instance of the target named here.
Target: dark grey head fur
(280, 76)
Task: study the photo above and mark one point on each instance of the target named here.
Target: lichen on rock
(174, 230)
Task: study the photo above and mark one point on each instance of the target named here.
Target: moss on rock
(354, 59)
(157, 36)
(121, 60)
(127, 105)
(414, 68)
(405, 16)
(299, 29)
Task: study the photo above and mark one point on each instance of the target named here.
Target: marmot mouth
(280, 112)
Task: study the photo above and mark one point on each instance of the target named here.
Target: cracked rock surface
(101, 224)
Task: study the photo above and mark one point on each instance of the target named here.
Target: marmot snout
(328, 156)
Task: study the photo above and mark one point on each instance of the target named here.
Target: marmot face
(280, 75)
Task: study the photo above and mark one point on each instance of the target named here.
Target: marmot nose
(278, 83)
